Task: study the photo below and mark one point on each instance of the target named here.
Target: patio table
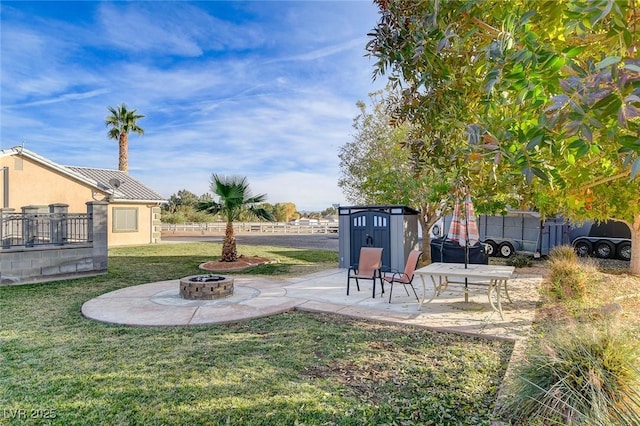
(474, 278)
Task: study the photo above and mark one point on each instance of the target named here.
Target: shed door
(371, 229)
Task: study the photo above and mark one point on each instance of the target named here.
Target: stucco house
(28, 179)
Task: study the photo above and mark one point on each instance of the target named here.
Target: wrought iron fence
(40, 229)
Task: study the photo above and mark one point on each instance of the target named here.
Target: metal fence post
(58, 224)
(5, 227)
(98, 232)
(30, 230)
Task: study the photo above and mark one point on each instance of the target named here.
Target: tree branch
(485, 26)
(608, 179)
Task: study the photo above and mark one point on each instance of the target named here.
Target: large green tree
(182, 207)
(234, 200)
(285, 212)
(122, 122)
(281, 212)
(546, 92)
(387, 163)
(183, 197)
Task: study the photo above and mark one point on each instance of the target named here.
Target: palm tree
(122, 123)
(234, 199)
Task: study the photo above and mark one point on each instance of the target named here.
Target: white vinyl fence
(252, 227)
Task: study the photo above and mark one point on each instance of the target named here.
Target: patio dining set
(452, 275)
(491, 280)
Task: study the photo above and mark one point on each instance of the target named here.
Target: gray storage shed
(394, 228)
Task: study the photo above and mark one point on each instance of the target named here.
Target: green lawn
(293, 368)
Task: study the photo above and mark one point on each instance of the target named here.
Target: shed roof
(392, 208)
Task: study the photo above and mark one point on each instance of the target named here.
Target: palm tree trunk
(229, 252)
(123, 155)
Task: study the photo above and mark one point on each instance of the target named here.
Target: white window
(125, 219)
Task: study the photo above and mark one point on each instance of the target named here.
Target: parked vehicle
(519, 231)
(524, 232)
(606, 240)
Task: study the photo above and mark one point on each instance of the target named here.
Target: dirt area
(612, 293)
(612, 266)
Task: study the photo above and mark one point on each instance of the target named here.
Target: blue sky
(262, 89)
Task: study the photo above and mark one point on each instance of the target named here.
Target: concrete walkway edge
(159, 304)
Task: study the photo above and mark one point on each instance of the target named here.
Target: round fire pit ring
(206, 287)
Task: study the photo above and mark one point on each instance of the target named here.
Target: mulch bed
(242, 263)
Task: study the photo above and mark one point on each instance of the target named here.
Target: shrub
(185, 215)
(568, 275)
(200, 217)
(579, 376)
(563, 253)
(520, 261)
(567, 281)
(172, 218)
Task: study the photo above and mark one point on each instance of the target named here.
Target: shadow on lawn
(308, 256)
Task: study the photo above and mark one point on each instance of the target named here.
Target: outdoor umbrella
(464, 230)
(464, 226)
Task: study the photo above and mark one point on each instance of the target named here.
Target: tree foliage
(373, 162)
(182, 207)
(392, 164)
(282, 212)
(546, 93)
(122, 122)
(234, 199)
(329, 211)
(185, 198)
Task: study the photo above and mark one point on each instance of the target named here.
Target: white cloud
(265, 90)
(176, 28)
(325, 51)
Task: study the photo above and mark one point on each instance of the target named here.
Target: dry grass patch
(582, 367)
(603, 295)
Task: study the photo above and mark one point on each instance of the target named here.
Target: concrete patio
(159, 304)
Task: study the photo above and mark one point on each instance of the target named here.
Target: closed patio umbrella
(464, 225)
(464, 229)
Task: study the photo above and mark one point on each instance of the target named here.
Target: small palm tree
(123, 122)
(234, 199)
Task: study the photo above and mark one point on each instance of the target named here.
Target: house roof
(130, 190)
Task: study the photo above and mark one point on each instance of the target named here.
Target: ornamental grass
(586, 375)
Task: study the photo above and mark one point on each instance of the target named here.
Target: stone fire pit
(206, 287)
